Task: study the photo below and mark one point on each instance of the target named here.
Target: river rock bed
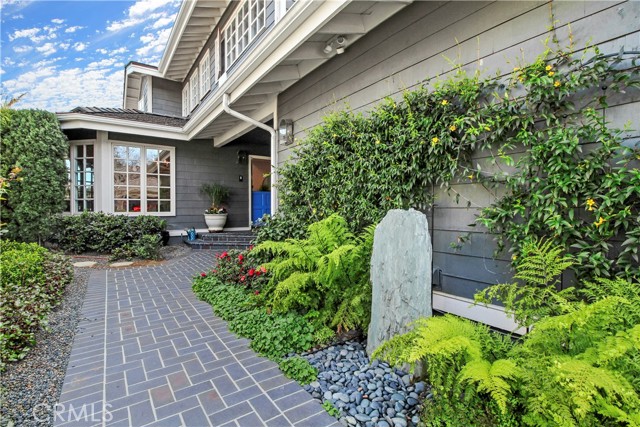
(367, 393)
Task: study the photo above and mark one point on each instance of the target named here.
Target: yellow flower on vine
(377, 141)
(452, 128)
(514, 257)
(557, 83)
(487, 128)
(551, 73)
(516, 68)
(599, 222)
(434, 141)
(470, 176)
(444, 102)
(16, 170)
(591, 204)
(548, 68)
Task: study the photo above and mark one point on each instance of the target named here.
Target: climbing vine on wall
(558, 169)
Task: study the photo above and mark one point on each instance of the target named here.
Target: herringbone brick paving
(149, 353)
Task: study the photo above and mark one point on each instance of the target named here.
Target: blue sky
(65, 54)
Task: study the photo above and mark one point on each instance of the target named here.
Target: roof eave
(186, 9)
(110, 124)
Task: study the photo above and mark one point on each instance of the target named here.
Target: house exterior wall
(196, 162)
(167, 97)
(413, 46)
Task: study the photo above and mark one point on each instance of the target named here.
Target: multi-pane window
(247, 23)
(143, 103)
(213, 76)
(193, 83)
(185, 100)
(82, 174)
(204, 75)
(142, 178)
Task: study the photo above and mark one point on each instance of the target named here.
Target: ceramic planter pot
(215, 222)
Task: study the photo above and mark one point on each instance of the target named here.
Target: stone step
(218, 246)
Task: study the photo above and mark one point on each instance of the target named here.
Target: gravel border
(36, 381)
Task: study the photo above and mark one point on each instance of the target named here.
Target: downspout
(274, 141)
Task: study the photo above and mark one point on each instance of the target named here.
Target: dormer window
(204, 75)
(193, 83)
(185, 100)
(247, 23)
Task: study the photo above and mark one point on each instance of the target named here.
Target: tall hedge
(34, 142)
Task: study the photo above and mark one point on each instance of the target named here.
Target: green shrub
(34, 142)
(121, 235)
(32, 281)
(299, 369)
(288, 333)
(326, 275)
(331, 410)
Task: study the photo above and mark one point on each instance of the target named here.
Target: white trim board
(178, 233)
(492, 315)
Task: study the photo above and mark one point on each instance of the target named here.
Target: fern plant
(327, 274)
(535, 293)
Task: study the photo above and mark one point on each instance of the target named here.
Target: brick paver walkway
(148, 352)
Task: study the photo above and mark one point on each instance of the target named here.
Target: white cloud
(26, 33)
(125, 23)
(118, 51)
(64, 46)
(57, 21)
(143, 7)
(138, 13)
(18, 16)
(63, 90)
(104, 63)
(2, 71)
(79, 46)
(154, 43)
(73, 29)
(22, 49)
(102, 51)
(8, 61)
(46, 49)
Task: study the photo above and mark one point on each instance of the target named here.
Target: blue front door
(260, 204)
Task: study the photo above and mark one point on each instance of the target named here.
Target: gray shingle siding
(414, 45)
(166, 97)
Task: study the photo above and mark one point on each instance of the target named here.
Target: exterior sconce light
(285, 132)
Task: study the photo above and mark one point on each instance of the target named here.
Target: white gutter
(274, 141)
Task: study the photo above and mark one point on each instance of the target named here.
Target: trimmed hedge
(32, 282)
(105, 233)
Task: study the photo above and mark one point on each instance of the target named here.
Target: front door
(260, 187)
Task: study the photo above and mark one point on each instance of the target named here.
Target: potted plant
(216, 215)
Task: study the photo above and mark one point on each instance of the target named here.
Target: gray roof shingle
(132, 115)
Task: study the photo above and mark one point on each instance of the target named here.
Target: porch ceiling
(280, 68)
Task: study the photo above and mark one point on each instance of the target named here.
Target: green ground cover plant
(32, 282)
(120, 235)
(577, 366)
(299, 369)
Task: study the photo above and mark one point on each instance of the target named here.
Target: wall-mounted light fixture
(242, 157)
(285, 131)
(339, 43)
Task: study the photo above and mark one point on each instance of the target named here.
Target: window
(193, 83)
(143, 179)
(80, 190)
(247, 23)
(213, 77)
(185, 100)
(204, 75)
(144, 103)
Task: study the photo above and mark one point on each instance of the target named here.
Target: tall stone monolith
(400, 275)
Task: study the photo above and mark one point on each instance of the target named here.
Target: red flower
(258, 272)
(224, 254)
(240, 257)
(251, 247)
(242, 278)
(252, 272)
(257, 292)
(203, 274)
(263, 269)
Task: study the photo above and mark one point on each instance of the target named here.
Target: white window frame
(240, 32)
(204, 75)
(193, 83)
(213, 63)
(143, 178)
(145, 95)
(72, 175)
(185, 100)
